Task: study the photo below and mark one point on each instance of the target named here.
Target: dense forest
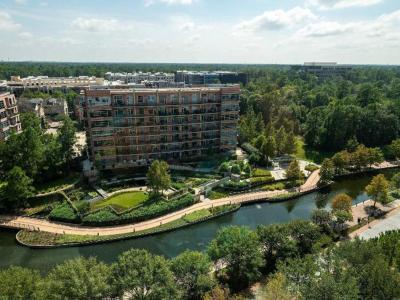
(363, 107)
(298, 260)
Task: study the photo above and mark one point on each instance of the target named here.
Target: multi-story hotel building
(9, 117)
(127, 128)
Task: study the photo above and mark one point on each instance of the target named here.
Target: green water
(195, 237)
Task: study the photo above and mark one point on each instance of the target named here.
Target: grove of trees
(33, 157)
(300, 261)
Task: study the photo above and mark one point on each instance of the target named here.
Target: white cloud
(98, 25)
(324, 28)
(20, 1)
(336, 4)
(277, 19)
(6, 22)
(25, 35)
(169, 2)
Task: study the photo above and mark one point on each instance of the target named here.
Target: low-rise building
(9, 116)
(207, 78)
(51, 107)
(139, 77)
(18, 85)
(131, 127)
(31, 105)
(323, 70)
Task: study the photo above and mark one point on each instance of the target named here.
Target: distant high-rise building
(9, 117)
(131, 127)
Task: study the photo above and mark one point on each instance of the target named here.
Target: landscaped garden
(122, 201)
(57, 184)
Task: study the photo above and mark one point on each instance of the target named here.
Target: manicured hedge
(105, 217)
(261, 180)
(236, 184)
(64, 213)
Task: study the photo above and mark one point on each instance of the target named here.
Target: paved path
(60, 228)
(390, 221)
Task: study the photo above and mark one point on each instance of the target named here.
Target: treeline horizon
(64, 69)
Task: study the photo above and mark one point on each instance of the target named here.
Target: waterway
(195, 237)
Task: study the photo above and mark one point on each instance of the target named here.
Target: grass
(57, 184)
(218, 193)
(261, 173)
(305, 153)
(197, 215)
(123, 201)
(273, 186)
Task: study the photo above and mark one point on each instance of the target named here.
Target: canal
(195, 237)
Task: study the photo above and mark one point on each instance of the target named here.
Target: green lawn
(305, 153)
(257, 172)
(57, 184)
(218, 193)
(197, 215)
(122, 201)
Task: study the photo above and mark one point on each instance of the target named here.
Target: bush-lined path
(62, 228)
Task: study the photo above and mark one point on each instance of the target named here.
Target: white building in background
(139, 77)
(53, 82)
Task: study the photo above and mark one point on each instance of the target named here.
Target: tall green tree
(21, 283)
(141, 275)
(18, 188)
(193, 274)
(277, 245)
(327, 171)
(293, 172)
(239, 249)
(158, 177)
(377, 189)
(342, 202)
(67, 138)
(268, 148)
(395, 148)
(79, 278)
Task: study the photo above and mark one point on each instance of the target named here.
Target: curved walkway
(62, 228)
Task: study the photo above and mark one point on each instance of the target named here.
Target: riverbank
(39, 239)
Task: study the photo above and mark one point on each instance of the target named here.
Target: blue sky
(201, 31)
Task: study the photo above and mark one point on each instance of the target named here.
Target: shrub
(108, 217)
(101, 217)
(247, 169)
(223, 168)
(311, 168)
(64, 213)
(293, 183)
(82, 206)
(235, 169)
(236, 184)
(261, 180)
(395, 194)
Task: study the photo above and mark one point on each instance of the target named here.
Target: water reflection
(195, 237)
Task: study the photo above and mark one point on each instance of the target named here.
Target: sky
(201, 31)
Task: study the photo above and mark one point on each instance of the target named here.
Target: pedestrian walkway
(62, 228)
(391, 221)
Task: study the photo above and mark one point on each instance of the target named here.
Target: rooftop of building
(137, 73)
(211, 87)
(206, 72)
